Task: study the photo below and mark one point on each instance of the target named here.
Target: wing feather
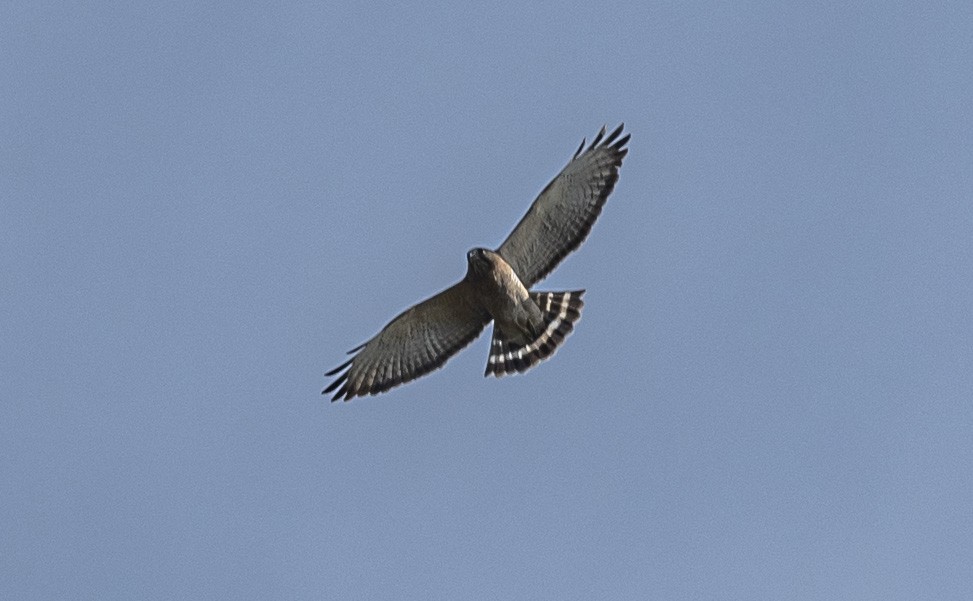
(416, 342)
(562, 215)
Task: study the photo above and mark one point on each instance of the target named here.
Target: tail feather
(561, 310)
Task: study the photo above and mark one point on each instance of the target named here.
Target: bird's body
(528, 325)
(504, 296)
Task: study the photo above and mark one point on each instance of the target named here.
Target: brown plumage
(528, 326)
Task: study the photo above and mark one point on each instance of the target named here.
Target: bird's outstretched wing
(563, 213)
(416, 342)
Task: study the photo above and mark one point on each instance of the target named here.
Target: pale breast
(507, 300)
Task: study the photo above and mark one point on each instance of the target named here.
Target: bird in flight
(528, 326)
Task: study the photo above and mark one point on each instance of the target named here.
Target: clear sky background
(204, 205)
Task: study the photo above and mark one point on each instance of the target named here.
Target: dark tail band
(561, 311)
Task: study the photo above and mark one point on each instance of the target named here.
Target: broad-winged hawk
(528, 326)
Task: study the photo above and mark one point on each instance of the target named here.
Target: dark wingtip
(341, 392)
(342, 379)
(340, 367)
(336, 383)
(615, 133)
(580, 148)
(601, 134)
(610, 141)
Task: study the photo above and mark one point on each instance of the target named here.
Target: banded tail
(561, 310)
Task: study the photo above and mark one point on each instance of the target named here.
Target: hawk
(528, 326)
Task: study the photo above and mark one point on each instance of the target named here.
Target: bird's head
(478, 261)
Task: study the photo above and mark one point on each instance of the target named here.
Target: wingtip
(601, 139)
(341, 380)
(611, 139)
(598, 138)
(339, 368)
(580, 148)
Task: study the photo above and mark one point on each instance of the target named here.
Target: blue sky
(205, 205)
